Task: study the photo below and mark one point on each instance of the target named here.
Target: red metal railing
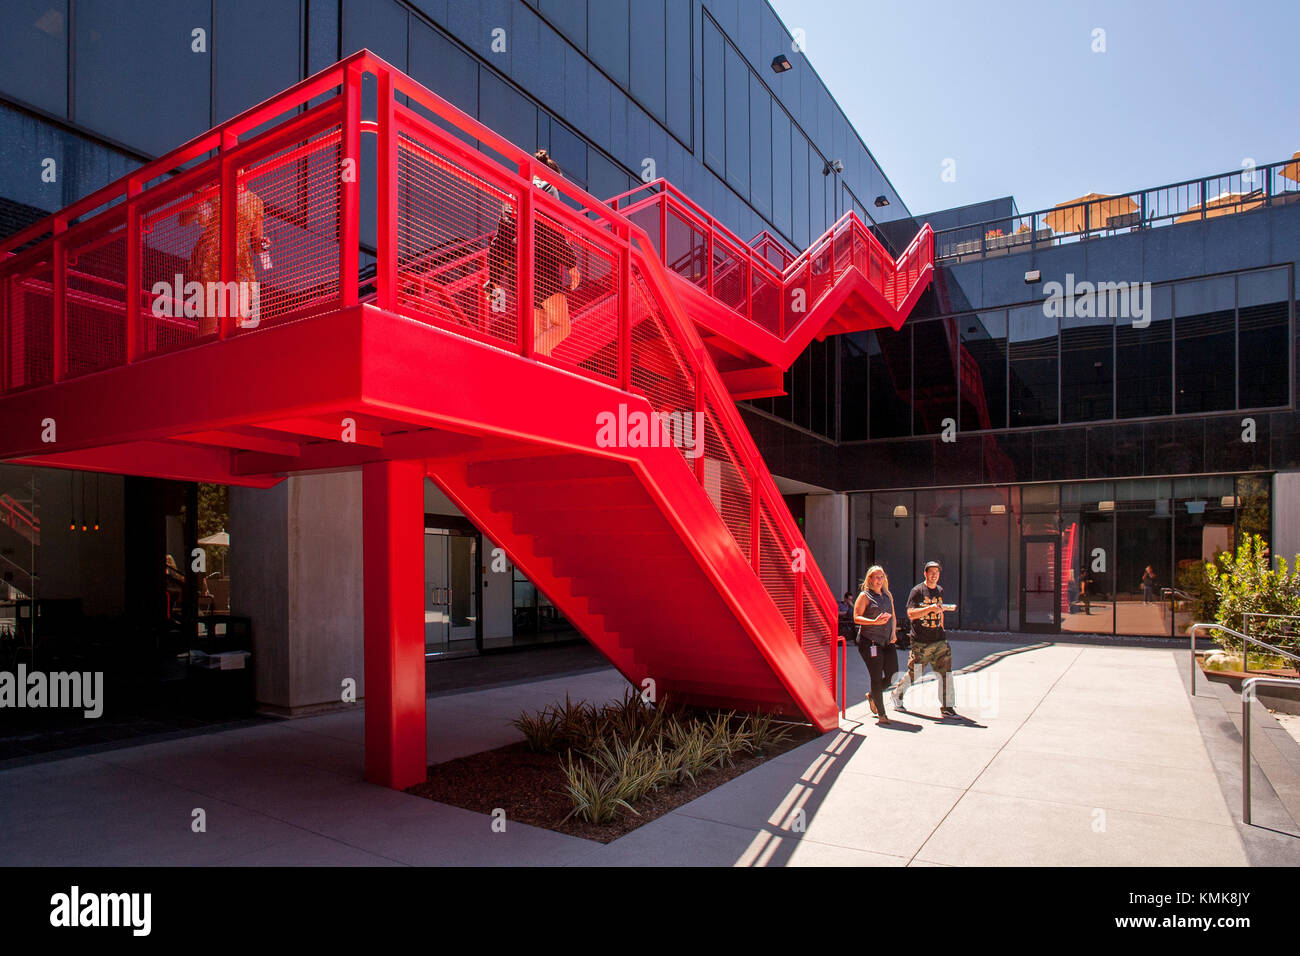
(88, 289)
(746, 276)
(15, 515)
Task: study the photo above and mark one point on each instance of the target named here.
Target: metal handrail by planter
(1248, 616)
(1248, 695)
(1244, 639)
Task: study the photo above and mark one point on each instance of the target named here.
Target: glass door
(1040, 583)
(451, 597)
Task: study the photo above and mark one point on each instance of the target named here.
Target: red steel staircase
(614, 471)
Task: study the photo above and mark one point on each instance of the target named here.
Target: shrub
(1245, 583)
(596, 795)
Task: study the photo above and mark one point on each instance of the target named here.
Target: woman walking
(874, 613)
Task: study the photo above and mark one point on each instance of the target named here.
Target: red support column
(392, 499)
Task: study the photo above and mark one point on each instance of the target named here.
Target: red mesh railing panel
(765, 302)
(660, 370)
(288, 210)
(686, 250)
(819, 637)
(95, 303)
(30, 357)
(725, 478)
(776, 567)
(181, 244)
(576, 325)
(730, 276)
(455, 231)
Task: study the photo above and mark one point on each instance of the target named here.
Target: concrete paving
(1064, 755)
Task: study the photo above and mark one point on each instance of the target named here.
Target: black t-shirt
(926, 630)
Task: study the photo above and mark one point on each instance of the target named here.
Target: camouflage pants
(939, 656)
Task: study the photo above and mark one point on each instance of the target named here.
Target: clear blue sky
(1012, 91)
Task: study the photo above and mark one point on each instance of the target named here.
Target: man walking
(925, 609)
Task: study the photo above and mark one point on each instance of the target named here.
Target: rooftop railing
(1193, 200)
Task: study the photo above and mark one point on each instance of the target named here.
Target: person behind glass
(1148, 585)
(551, 254)
(846, 628)
(925, 609)
(873, 612)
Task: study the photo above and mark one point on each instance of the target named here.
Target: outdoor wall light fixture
(1228, 501)
(900, 511)
(882, 200)
(780, 64)
(1105, 506)
(1033, 275)
(997, 509)
(832, 166)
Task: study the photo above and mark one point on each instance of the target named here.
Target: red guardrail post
(134, 278)
(799, 586)
(58, 312)
(229, 193)
(350, 188)
(624, 308)
(754, 519)
(386, 192)
(524, 268)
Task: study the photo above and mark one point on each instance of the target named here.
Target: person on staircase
(552, 257)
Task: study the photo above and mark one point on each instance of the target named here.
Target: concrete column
(296, 571)
(826, 528)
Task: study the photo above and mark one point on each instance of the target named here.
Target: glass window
(1144, 360)
(1087, 561)
(864, 552)
(1087, 367)
(679, 56)
(983, 365)
(801, 373)
(445, 68)
(737, 80)
(1204, 514)
(854, 360)
(160, 94)
(890, 382)
(985, 530)
(34, 54)
(1263, 330)
(569, 17)
(938, 538)
(935, 386)
(648, 56)
(799, 176)
(817, 185)
(376, 25)
(760, 147)
(607, 37)
(507, 112)
(1143, 559)
(822, 373)
(892, 517)
(715, 113)
(781, 215)
(1205, 349)
(1033, 367)
(245, 73)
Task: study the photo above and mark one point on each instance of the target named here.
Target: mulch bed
(530, 787)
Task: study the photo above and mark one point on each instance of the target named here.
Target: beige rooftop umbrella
(1068, 217)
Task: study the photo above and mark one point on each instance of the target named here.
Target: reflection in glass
(1263, 334)
(1087, 564)
(983, 370)
(1205, 348)
(935, 386)
(985, 524)
(1143, 559)
(1144, 360)
(893, 515)
(891, 382)
(1033, 367)
(1087, 368)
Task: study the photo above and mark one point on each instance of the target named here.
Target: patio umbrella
(1291, 170)
(1224, 204)
(1068, 216)
(221, 538)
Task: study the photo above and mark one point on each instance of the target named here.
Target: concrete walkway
(1066, 755)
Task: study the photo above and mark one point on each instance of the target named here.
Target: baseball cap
(932, 564)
